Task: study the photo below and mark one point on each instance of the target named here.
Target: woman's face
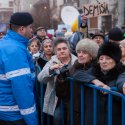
(62, 51)
(48, 48)
(34, 48)
(83, 57)
(106, 62)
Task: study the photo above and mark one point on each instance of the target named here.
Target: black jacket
(112, 79)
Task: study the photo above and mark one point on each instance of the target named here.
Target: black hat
(98, 35)
(21, 19)
(110, 49)
(116, 34)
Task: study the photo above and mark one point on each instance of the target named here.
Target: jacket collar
(17, 37)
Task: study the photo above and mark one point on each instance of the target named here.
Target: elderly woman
(111, 72)
(47, 75)
(86, 50)
(121, 86)
(47, 52)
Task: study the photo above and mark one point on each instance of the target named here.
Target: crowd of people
(30, 58)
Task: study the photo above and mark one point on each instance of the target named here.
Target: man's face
(28, 31)
(99, 40)
(41, 32)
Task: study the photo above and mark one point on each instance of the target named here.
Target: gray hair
(61, 40)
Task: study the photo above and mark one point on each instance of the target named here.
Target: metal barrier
(95, 89)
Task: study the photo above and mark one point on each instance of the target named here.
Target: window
(93, 22)
(10, 3)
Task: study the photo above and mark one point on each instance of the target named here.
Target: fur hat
(116, 34)
(21, 19)
(89, 46)
(110, 49)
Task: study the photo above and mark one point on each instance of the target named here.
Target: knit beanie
(89, 46)
(21, 19)
(110, 49)
(116, 34)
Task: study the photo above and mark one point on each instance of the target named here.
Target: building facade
(6, 9)
(116, 16)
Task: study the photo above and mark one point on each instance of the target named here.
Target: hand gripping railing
(95, 89)
(110, 93)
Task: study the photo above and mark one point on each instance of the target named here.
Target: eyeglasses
(43, 30)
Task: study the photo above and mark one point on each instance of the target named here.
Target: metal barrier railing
(95, 89)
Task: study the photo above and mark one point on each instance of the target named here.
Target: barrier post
(82, 105)
(62, 112)
(123, 111)
(109, 109)
(71, 102)
(95, 106)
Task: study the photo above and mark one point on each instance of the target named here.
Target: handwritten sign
(94, 10)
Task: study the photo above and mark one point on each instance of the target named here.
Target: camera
(62, 73)
(64, 69)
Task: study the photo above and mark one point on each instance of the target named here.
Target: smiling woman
(107, 73)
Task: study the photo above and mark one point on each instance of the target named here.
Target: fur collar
(111, 75)
(78, 66)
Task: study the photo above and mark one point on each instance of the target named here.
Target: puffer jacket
(16, 80)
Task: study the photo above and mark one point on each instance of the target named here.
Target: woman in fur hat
(111, 72)
(86, 50)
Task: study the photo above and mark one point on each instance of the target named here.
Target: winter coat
(50, 98)
(17, 77)
(112, 78)
(63, 89)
